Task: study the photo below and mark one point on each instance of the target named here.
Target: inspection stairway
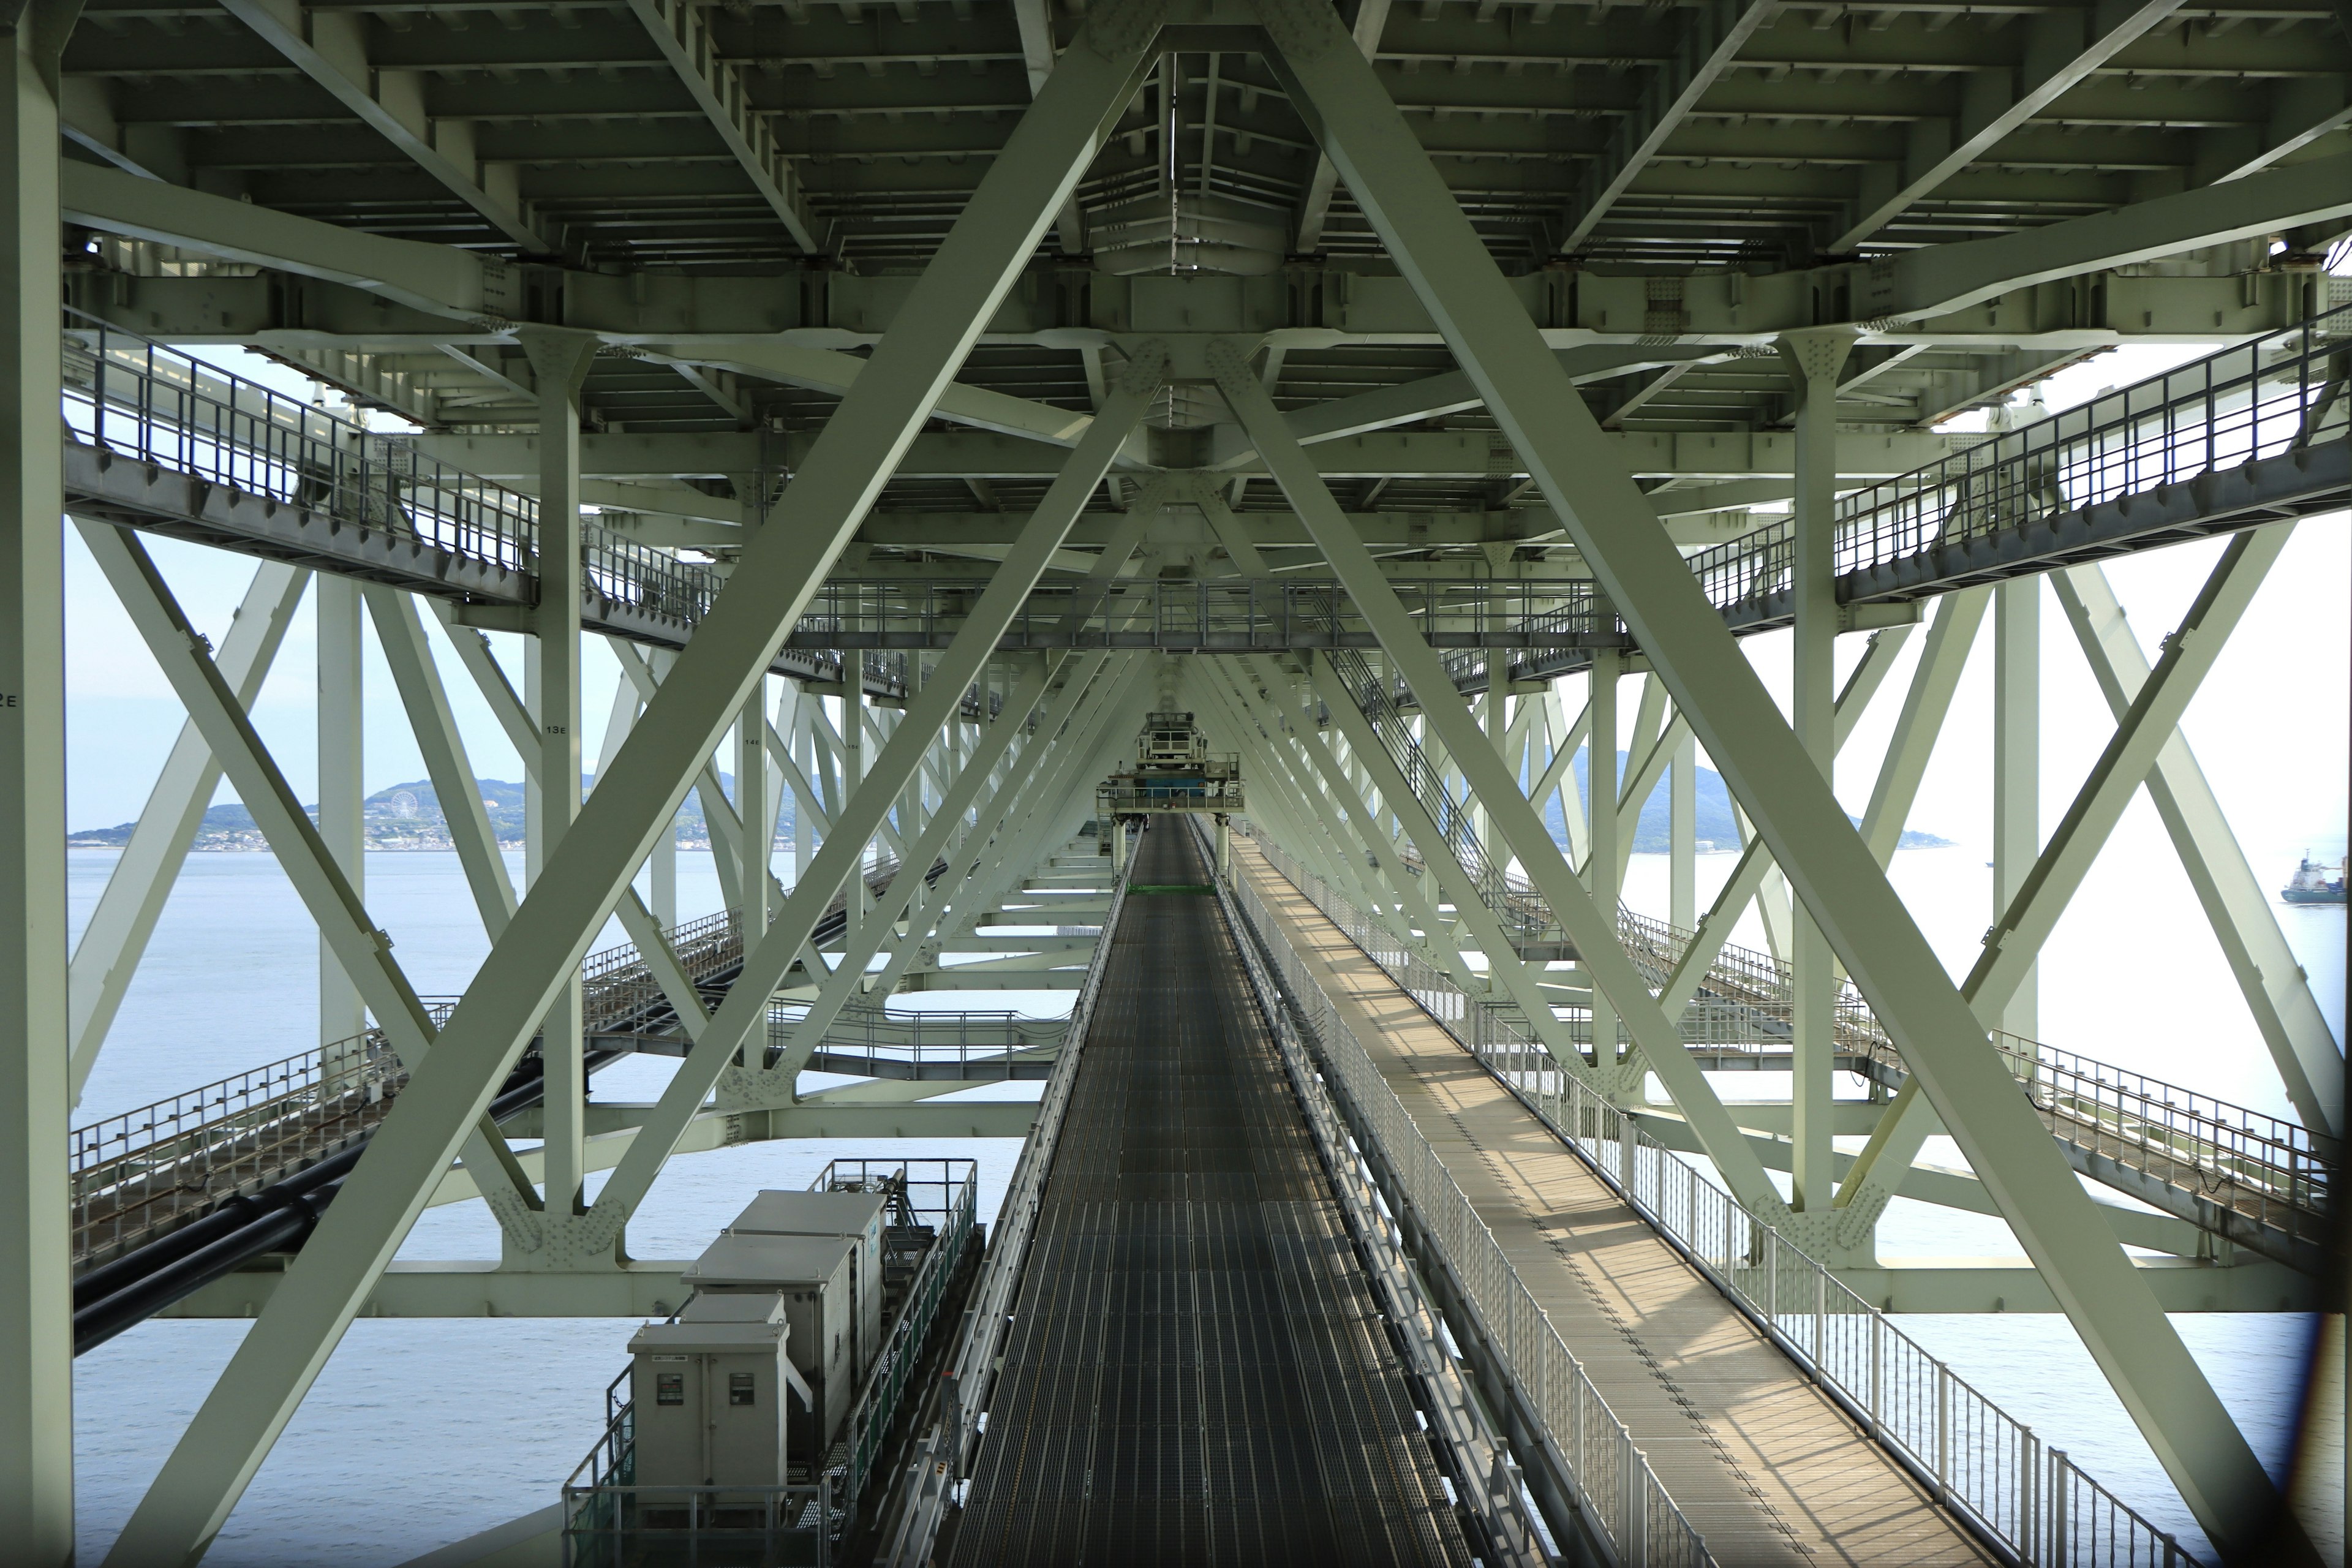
(170, 1196)
(1197, 1370)
(2254, 1180)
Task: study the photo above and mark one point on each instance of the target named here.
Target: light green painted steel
(2140, 737)
(1682, 817)
(408, 653)
(906, 901)
(774, 580)
(766, 961)
(1748, 876)
(1766, 766)
(107, 957)
(1814, 360)
(2016, 771)
(37, 1485)
(342, 1015)
(559, 362)
(2278, 993)
(1605, 866)
(1592, 925)
(1438, 858)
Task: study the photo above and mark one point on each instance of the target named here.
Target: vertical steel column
(1813, 360)
(754, 808)
(1683, 817)
(1601, 861)
(36, 1293)
(2017, 771)
(560, 362)
(342, 1016)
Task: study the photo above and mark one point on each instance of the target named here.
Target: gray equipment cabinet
(812, 1277)
(859, 1216)
(714, 1393)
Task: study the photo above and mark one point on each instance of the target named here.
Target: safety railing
(2274, 1173)
(2271, 1171)
(2278, 393)
(943, 1195)
(944, 1451)
(2029, 1500)
(139, 399)
(1234, 615)
(134, 398)
(872, 1042)
(1616, 1491)
(130, 1175)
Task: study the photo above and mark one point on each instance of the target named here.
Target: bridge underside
(1424, 400)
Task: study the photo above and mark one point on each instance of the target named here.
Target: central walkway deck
(1762, 1463)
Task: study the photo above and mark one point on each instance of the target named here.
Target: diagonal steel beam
(1707, 41)
(927, 712)
(2061, 48)
(400, 632)
(907, 888)
(723, 90)
(1748, 876)
(2147, 725)
(107, 957)
(774, 580)
(1455, 276)
(329, 45)
(2278, 993)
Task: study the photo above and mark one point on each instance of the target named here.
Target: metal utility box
(716, 1394)
(814, 1276)
(860, 1217)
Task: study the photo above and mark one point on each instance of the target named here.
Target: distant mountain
(1715, 828)
(409, 816)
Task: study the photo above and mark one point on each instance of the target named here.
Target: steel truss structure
(915, 396)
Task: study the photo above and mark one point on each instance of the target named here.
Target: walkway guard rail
(2274, 1173)
(1618, 1495)
(942, 1456)
(2029, 1502)
(872, 1042)
(2266, 398)
(128, 1174)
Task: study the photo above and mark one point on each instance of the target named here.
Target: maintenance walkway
(1760, 1461)
(1197, 1370)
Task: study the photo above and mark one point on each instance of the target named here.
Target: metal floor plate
(1197, 1370)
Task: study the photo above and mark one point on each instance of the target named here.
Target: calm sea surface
(420, 1433)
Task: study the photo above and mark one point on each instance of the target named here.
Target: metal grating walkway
(1197, 1372)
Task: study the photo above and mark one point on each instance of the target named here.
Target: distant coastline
(404, 816)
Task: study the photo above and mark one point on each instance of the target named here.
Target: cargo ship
(2312, 885)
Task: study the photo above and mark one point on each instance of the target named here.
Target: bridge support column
(560, 361)
(35, 1292)
(2016, 771)
(1682, 898)
(1813, 360)
(342, 1016)
(1601, 861)
(756, 808)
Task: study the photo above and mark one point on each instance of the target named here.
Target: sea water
(419, 1433)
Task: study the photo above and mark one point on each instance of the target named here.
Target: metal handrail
(1618, 1494)
(2032, 1502)
(2274, 394)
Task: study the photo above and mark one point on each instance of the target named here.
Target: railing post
(2055, 1549)
(1943, 1434)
